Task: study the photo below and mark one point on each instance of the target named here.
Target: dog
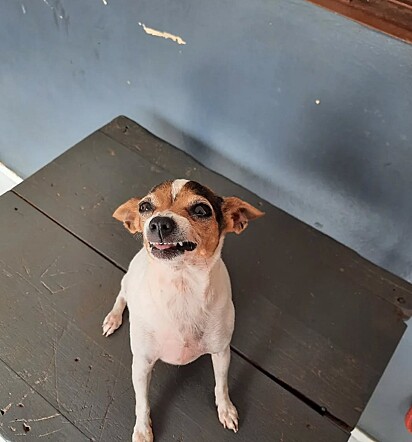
(177, 288)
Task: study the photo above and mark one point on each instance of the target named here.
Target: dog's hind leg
(141, 374)
(225, 409)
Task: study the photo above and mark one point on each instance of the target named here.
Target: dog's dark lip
(185, 246)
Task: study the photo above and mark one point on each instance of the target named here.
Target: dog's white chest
(181, 315)
(179, 336)
(177, 349)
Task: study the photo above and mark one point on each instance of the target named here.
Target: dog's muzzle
(165, 238)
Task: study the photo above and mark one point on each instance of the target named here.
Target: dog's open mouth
(183, 245)
(170, 250)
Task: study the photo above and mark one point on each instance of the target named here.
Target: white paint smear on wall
(161, 34)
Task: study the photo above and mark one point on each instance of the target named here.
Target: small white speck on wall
(128, 82)
(317, 101)
(23, 9)
(161, 34)
(104, 2)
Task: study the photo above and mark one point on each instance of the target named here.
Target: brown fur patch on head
(238, 213)
(162, 187)
(207, 229)
(128, 214)
(161, 196)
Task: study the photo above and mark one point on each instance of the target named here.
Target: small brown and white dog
(177, 288)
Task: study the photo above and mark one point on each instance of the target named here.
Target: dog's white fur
(178, 312)
(177, 187)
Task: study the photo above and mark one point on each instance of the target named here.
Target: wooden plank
(57, 290)
(25, 414)
(314, 314)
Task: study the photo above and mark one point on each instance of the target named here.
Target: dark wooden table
(316, 324)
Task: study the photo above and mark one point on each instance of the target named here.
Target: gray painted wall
(241, 97)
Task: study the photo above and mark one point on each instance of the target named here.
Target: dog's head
(180, 218)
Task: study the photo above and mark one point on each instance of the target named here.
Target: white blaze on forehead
(177, 187)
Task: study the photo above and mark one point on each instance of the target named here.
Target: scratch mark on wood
(47, 287)
(88, 380)
(46, 376)
(85, 420)
(46, 319)
(64, 273)
(90, 412)
(61, 288)
(28, 282)
(105, 416)
(51, 265)
(23, 398)
(165, 35)
(8, 274)
(45, 418)
(113, 390)
(51, 432)
(6, 408)
(56, 389)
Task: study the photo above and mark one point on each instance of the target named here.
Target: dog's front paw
(111, 323)
(228, 416)
(145, 435)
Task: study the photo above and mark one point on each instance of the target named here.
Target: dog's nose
(163, 225)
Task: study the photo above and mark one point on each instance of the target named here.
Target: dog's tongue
(163, 246)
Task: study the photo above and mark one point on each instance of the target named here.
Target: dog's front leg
(114, 319)
(226, 410)
(141, 374)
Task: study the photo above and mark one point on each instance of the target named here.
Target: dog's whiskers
(137, 236)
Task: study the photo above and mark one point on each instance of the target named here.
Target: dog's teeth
(181, 244)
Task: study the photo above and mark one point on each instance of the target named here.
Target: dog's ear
(238, 213)
(128, 214)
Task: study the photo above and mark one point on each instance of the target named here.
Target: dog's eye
(145, 206)
(201, 210)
